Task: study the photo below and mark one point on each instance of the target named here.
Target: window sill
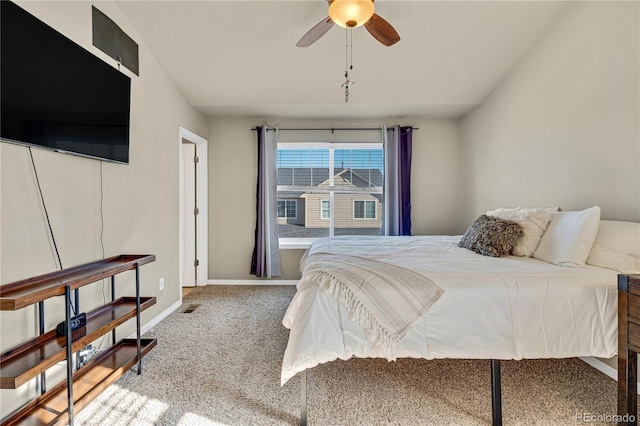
(295, 243)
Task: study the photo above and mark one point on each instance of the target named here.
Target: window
(325, 209)
(330, 180)
(287, 209)
(365, 209)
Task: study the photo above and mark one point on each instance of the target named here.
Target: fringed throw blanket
(387, 300)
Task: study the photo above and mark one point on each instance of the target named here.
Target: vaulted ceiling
(239, 58)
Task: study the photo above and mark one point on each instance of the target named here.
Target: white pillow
(617, 247)
(533, 223)
(569, 237)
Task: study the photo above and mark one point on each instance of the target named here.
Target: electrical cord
(55, 245)
(44, 206)
(102, 289)
(101, 210)
(46, 214)
(53, 239)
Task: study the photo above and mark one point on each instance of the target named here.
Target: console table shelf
(23, 293)
(88, 382)
(24, 362)
(34, 357)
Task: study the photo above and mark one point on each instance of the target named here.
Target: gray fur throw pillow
(491, 236)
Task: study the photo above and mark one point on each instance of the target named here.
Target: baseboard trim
(156, 320)
(601, 366)
(252, 282)
(604, 368)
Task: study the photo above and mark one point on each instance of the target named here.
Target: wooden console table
(628, 347)
(32, 358)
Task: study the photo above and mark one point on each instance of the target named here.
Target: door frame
(202, 218)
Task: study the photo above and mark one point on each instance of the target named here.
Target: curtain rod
(331, 128)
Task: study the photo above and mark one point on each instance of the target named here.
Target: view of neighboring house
(308, 213)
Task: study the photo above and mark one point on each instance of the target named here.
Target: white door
(189, 242)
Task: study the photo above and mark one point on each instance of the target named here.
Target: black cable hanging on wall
(44, 206)
(53, 238)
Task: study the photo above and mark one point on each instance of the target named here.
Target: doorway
(193, 210)
(189, 213)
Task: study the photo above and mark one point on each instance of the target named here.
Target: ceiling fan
(352, 14)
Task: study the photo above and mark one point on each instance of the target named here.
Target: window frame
(331, 189)
(322, 210)
(295, 209)
(364, 210)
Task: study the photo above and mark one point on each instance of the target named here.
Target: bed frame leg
(496, 393)
(303, 398)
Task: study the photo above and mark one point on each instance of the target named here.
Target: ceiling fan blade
(382, 31)
(315, 33)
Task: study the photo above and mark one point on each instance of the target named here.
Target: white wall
(232, 186)
(140, 204)
(562, 129)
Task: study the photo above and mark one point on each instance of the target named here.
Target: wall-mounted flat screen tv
(57, 95)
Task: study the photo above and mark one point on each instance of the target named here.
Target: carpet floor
(220, 365)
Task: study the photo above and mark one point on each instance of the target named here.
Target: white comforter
(492, 308)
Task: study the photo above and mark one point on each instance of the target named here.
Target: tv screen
(57, 95)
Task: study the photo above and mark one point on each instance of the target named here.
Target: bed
(494, 308)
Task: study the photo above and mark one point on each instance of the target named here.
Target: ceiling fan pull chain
(351, 48)
(348, 64)
(346, 90)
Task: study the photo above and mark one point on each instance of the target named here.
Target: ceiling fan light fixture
(351, 13)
